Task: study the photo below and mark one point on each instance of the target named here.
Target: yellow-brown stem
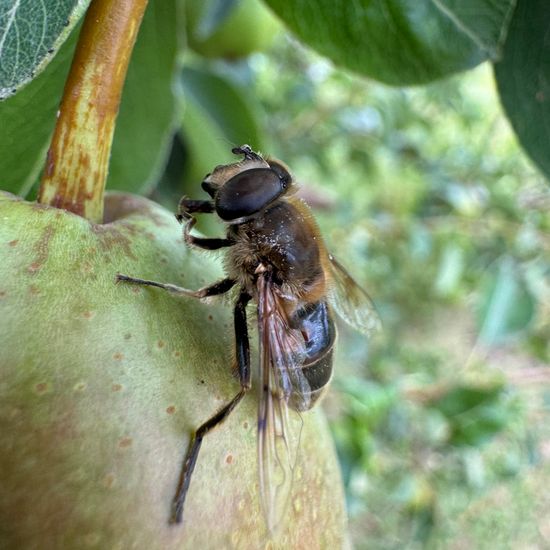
(78, 159)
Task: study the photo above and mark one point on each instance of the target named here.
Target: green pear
(249, 27)
(102, 385)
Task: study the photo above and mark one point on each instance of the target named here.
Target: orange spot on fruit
(13, 243)
(118, 356)
(171, 409)
(42, 387)
(116, 387)
(125, 442)
(109, 480)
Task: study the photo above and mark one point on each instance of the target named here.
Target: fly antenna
(247, 151)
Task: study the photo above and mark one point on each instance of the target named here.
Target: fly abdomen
(317, 327)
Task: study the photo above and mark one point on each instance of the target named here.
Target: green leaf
(368, 400)
(507, 305)
(484, 21)
(451, 269)
(523, 79)
(478, 427)
(27, 121)
(30, 35)
(217, 113)
(230, 106)
(198, 129)
(462, 398)
(138, 155)
(399, 42)
(475, 413)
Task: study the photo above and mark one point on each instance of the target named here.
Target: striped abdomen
(317, 327)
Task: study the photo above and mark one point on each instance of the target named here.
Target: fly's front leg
(187, 207)
(243, 363)
(221, 287)
(202, 242)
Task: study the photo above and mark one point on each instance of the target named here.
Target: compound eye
(209, 187)
(281, 171)
(249, 192)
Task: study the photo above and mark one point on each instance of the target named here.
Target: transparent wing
(351, 302)
(279, 427)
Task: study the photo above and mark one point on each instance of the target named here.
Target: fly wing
(351, 302)
(282, 350)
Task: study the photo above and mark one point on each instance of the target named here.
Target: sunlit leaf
(27, 121)
(507, 305)
(31, 33)
(137, 156)
(451, 268)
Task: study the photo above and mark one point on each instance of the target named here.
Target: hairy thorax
(283, 241)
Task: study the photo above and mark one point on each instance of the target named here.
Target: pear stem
(78, 158)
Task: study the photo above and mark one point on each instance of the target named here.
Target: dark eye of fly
(283, 174)
(209, 187)
(249, 192)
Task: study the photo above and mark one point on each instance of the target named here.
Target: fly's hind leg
(243, 362)
(220, 287)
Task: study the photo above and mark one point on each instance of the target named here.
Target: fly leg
(243, 363)
(203, 242)
(215, 289)
(187, 207)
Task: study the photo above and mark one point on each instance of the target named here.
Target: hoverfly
(276, 258)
